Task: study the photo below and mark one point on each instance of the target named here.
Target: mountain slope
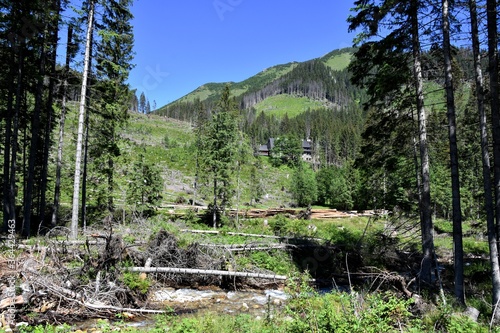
(323, 79)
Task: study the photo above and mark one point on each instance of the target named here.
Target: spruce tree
(388, 64)
(218, 158)
(114, 62)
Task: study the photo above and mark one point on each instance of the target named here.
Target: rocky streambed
(185, 302)
(256, 302)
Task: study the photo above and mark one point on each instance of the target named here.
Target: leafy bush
(180, 200)
(135, 282)
(443, 319)
(283, 226)
(342, 312)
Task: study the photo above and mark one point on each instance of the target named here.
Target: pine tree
(256, 186)
(30, 54)
(12, 60)
(62, 120)
(218, 158)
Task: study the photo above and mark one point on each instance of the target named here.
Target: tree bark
(81, 117)
(488, 196)
(57, 189)
(458, 252)
(425, 204)
(84, 175)
(491, 15)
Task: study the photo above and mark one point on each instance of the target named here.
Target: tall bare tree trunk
(81, 117)
(425, 203)
(84, 175)
(488, 196)
(57, 189)
(494, 100)
(458, 251)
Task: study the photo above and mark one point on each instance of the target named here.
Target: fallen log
(206, 272)
(244, 247)
(215, 232)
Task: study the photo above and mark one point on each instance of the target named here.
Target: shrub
(342, 312)
(135, 282)
(278, 225)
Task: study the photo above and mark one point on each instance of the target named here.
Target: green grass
(280, 105)
(339, 62)
(446, 226)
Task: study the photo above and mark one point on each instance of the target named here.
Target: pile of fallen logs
(60, 280)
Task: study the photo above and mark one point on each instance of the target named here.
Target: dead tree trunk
(174, 270)
(57, 189)
(81, 117)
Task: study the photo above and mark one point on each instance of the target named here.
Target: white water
(256, 302)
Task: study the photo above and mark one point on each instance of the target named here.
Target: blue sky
(182, 44)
